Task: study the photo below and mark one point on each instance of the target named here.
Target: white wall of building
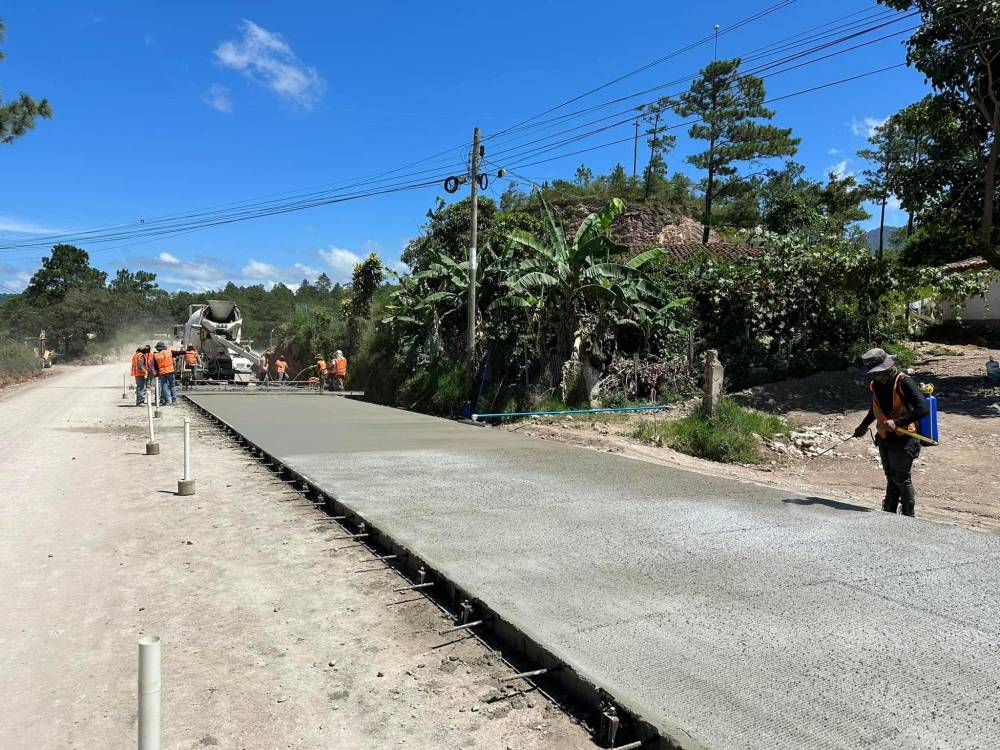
(978, 308)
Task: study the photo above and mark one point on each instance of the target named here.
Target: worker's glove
(860, 431)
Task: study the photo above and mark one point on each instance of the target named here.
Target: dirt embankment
(956, 481)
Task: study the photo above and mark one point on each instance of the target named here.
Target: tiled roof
(969, 264)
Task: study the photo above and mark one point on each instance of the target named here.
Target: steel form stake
(149, 693)
(156, 395)
(185, 486)
(152, 447)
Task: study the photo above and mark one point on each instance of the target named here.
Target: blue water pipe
(618, 410)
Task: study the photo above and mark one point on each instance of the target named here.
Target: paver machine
(214, 329)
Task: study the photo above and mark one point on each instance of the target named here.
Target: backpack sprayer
(927, 428)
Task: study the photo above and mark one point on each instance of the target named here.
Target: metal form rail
(612, 725)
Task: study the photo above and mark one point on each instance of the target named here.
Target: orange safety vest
(149, 363)
(898, 408)
(280, 366)
(340, 367)
(164, 362)
(321, 365)
(139, 365)
(191, 357)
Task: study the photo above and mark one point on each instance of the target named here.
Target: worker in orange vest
(339, 371)
(281, 367)
(140, 370)
(321, 371)
(163, 364)
(897, 404)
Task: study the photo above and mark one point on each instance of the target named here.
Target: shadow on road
(833, 504)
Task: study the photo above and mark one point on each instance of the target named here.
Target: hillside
(893, 239)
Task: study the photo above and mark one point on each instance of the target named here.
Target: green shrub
(16, 362)
(727, 437)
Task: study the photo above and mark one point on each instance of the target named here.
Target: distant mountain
(893, 241)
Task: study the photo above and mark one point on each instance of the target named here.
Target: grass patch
(726, 437)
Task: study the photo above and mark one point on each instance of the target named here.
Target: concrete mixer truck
(214, 329)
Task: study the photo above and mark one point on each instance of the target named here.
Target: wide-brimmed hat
(877, 360)
(160, 345)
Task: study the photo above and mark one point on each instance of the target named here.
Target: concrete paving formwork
(726, 614)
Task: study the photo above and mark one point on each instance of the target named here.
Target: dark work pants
(897, 462)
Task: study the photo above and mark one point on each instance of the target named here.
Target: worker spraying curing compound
(897, 407)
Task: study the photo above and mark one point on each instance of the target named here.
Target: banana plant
(562, 278)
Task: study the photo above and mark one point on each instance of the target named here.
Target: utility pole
(471, 353)
(635, 152)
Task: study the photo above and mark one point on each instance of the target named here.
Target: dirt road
(270, 638)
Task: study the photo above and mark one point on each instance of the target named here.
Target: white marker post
(185, 486)
(156, 395)
(124, 386)
(149, 693)
(152, 447)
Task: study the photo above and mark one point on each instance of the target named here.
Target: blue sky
(168, 108)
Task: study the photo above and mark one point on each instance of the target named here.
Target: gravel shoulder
(271, 638)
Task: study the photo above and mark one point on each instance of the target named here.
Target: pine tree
(728, 107)
(17, 116)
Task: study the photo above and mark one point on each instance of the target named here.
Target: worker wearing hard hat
(140, 371)
(339, 366)
(897, 404)
(163, 365)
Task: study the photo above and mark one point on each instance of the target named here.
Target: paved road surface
(730, 615)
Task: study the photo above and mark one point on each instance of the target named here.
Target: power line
(751, 72)
(693, 45)
(521, 165)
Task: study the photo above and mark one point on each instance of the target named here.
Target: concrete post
(156, 395)
(124, 386)
(152, 447)
(714, 376)
(149, 693)
(186, 485)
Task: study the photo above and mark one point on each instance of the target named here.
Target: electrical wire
(669, 56)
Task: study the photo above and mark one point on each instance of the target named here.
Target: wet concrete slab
(728, 614)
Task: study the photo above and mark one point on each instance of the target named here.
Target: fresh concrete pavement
(727, 614)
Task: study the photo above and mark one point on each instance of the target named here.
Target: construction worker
(897, 404)
(281, 367)
(191, 358)
(339, 370)
(263, 367)
(147, 352)
(163, 364)
(140, 371)
(321, 371)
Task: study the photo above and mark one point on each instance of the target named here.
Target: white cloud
(217, 97)
(834, 152)
(19, 226)
(341, 262)
(13, 278)
(867, 126)
(893, 203)
(168, 259)
(257, 270)
(840, 169)
(266, 58)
